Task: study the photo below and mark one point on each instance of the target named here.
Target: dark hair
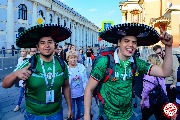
(157, 47)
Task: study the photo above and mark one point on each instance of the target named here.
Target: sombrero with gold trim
(145, 34)
(30, 37)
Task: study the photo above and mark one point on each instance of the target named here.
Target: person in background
(24, 53)
(68, 47)
(33, 51)
(59, 51)
(79, 60)
(172, 79)
(3, 51)
(89, 52)
(81, 52)
(146, 109)
(177, 116)
(78, 81)
(13, 49)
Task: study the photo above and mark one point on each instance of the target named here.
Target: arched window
(22, 12)
(50, 18)
(64, 23)
(58, 20)
(41, 13)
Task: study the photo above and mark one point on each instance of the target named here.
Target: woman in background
(147, 87)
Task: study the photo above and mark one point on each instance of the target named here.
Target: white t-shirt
(77, 80)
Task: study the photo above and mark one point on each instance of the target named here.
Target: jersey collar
(116, 58)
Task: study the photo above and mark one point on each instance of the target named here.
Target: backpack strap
(33, 61)
(109, 72)
(61, 62)
(134, 70)
(152, 82)
(110, 67)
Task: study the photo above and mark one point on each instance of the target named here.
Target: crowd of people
(60, 71)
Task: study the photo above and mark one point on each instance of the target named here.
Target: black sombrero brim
(145, 35)
(30, 37)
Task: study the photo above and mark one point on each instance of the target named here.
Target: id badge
(49, 96)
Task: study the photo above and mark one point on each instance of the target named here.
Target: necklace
(45, 75)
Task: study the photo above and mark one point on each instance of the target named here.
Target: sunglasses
(159, 53)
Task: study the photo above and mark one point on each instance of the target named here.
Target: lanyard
(44, 72)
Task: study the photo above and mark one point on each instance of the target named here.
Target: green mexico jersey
(36, 87)
(117, 94)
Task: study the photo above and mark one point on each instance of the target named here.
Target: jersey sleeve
(143, 66)
(99, 68)
(22, 65)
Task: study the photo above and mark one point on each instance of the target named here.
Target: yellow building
(154, 13)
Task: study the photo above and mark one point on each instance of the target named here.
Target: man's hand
(24, 73)
(165, 38)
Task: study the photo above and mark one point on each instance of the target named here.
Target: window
(50, 18)
(58, 21)
(41, 13)
(64, 23)
(22, 12)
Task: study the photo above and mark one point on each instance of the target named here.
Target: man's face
(159, 52)
(46, 46)
(128, 45)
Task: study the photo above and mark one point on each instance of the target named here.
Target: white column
(10, 24)
(47, 16)
(68, 26)
(77, 35)
(62, 23)
(34, 15)
(73, 33)
(55, 18)
(80, 35)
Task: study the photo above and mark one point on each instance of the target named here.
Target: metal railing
(8, 61)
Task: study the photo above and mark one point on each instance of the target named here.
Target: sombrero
(30, 37)
(145, 34)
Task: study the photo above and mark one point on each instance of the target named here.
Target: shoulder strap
(152, 82)
(110, 67)
(33, 61)
(61, 62)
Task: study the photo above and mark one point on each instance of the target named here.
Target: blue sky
(97, 10)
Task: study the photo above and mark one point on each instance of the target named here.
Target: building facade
(154, 13)
(17, 15)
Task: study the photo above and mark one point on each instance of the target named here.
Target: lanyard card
(49, 96)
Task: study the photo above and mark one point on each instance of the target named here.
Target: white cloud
(92, 10)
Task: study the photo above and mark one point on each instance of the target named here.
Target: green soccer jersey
(36, 87)
(117, 94)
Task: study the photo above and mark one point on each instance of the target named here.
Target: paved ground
(8, 100)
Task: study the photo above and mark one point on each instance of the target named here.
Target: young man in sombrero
(117, 94)
(43, 86)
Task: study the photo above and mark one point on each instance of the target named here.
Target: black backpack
(33, 61)
(157, 96)
(109, 53)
